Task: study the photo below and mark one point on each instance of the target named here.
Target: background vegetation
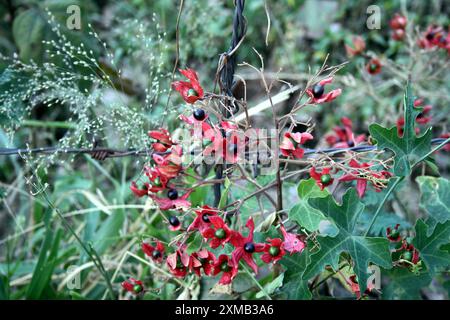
(110, 82)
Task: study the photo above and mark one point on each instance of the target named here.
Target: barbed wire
(96, 153)
(225, 75)
(105, 153)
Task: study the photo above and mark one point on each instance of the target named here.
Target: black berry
(174, 221)
(205, 218)
(156, 254)
(249, 247)
(318, 90)
(199, 114)
(172, 194)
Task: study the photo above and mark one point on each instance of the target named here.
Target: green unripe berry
(225, 267)
(274, 251)
(325, 179)
(192, 93)
(373, 67)
(220, 233)
(394, 234)
(407, 255)
(157, 182)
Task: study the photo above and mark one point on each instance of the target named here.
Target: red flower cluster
(363, 175)
(191, 90)
(323, 178)
(215, 231)
(343, 136)
(435, 37)
(373, 67)
(398, 25)
(156, 253)
(134, 286)
(393, 234)
(359, 45)
(164, 141)
(211, 226)
(223, 141)
(166, 166)
(317, 94)
(405, 254)
(354, 286)
(291, 144)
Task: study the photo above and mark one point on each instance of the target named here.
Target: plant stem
(256, 282)
(438, 147)
(279, 181)
(380, 206)
(400, 179)
(48, 124)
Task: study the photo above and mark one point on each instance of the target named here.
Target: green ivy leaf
(429, 246)
(295, 287)
(302, 212)
(404, 284)
(363, 250)
(409, 148)
(435, 199)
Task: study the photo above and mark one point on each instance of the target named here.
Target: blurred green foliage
(139, 38)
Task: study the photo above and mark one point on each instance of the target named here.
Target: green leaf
(29, 31)
(363, 250)
(302, 212)
(404, 284)
(108, 232)
(4, 287)
(46, 264)
(429, 246)
(224, 197)
(409, 148)
(271, 287)
(194, 243)
(295, 287)
(435, 199)
(76, 296)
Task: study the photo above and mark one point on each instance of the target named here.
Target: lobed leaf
(429, 245)
(409, 148)
(363, 250)
(435, 199)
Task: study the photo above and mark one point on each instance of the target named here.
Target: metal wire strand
(104, 153)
